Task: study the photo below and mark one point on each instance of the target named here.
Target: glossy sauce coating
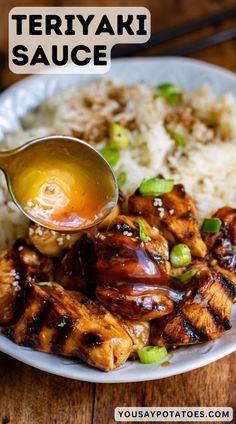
(61, 186)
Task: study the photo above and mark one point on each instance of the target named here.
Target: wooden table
(29, 396)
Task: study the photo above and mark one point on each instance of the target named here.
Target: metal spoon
(65, 167)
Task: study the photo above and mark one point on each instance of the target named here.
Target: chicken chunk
(77, 269)
(51, 243)
(11, 287)
(133, 275)
(138, 331)
(174, 214)
(57, 321)
(202, 315)
(36, 266)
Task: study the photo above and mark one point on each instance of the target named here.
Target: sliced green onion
(45, 283)
(180, 255)
(179, 139)
(118, 137)
(152, 354)
(111, 154)
(186, 276)
(121, 180)
(211, 225)
(156, 186)
(169, 92)
(142, 230)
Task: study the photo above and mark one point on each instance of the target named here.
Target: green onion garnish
(118, 137)
(169, 92)
(111, 154)
(211, 225)
(186, 276)
(45, 283)
(152, 354)
(142, 230)
(156, 186)
(121, 180)
(177, 137)
(180, 255)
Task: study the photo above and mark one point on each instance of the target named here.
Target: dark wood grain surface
(30, 396)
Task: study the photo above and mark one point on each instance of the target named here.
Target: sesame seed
(171, 211)
(125, 233)
(155, 229)
(68, 237)
(60, 241)
(31, 231)
(20, 248)
(161, 212)
(39, 231)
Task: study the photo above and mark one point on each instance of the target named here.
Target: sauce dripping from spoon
(61, 183)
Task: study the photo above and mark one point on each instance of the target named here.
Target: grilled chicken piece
(57, 321)
(51, 243)
(202, 315)
(116, 211)
(77, 269)
(11, 287)
(138, 331)
(174, 214)
(37, 267)
(222, 246)
(132, 275)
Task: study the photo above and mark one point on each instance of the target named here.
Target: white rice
(206, 166)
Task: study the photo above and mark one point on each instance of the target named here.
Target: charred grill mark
(187, 216)
(62, 334)
(92, 339)
(216, 314)
(27, 292)
(226, 324)
(228, 286)
(193, 332)
(190, 330)
(35, 324)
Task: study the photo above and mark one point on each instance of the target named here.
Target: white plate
(14, 103)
